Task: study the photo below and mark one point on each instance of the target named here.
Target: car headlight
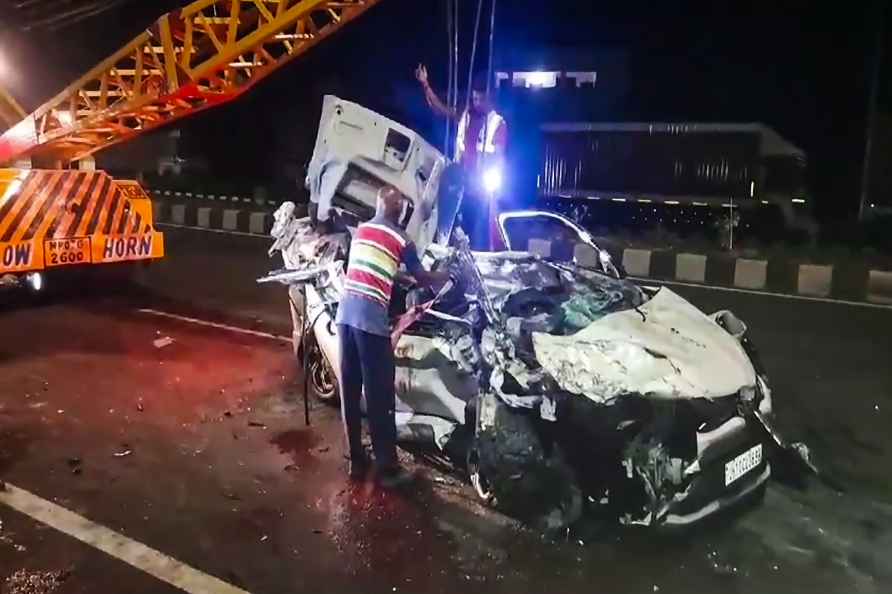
(35, 281)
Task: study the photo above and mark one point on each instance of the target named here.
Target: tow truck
(56, 209)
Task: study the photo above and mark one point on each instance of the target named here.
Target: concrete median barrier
(879, 287)
(178, 214)
(690, 268)
(206, 212)
(636, 262)
(585, 255)
(204, 217)
(230, 219)
(750, 274)
(159, 212)
(850, 280)
(259, 223)
(540, 247)
(815, 280)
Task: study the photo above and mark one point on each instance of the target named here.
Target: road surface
(139, 468)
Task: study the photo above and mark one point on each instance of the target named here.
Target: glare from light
(64, 117)
(12, 189)
(752, 189)
(539, 78)
(798, 201)
(35, 281)
(492, 179)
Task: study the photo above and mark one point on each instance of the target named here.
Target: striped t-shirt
(376, 251)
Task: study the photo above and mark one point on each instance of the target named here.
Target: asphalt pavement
(154, 454)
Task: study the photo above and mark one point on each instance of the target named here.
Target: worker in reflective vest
(377, 249)
(480, 143)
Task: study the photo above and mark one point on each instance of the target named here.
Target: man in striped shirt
(376, 252)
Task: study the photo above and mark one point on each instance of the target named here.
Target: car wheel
(322, 379)
(512, 469)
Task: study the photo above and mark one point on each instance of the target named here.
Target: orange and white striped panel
(40, 207)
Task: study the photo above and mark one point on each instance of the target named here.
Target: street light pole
(872, 109)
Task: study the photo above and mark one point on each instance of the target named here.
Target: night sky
(801, 67)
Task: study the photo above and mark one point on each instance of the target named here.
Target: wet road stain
(14, 445)
(299, 444)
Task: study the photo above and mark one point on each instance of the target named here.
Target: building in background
(707, 164)
(572, 152)
(535, 85)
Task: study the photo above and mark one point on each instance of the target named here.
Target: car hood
(664, 349)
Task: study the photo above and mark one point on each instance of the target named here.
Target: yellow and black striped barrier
(68, 217)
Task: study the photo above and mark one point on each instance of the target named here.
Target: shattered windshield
(564, 299)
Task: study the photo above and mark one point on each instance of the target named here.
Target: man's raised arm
(433, 101)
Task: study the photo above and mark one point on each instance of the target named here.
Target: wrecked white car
(556, 382)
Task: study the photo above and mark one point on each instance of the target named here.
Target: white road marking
(646, 281)
(223, 231)
(135, 554)
(227, 327)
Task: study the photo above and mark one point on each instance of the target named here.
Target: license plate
(64, 252)
(742, 464)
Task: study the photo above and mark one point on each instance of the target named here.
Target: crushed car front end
(560, 384)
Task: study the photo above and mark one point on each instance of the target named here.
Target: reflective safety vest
(375, 254)
(484, 145)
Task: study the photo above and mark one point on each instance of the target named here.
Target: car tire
(511, 469)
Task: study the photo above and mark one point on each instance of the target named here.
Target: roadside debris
(9, 541)
(164, 341)
(719, 566)
(34, 582)
(123, 453)
(257, 424)
(75, 465)
(139, 406)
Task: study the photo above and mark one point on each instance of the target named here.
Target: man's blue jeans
(367, 362)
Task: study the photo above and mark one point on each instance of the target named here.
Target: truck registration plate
(742, 464)
(64, 252)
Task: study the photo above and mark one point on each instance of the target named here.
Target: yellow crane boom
(189, 60)
(10, 111)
